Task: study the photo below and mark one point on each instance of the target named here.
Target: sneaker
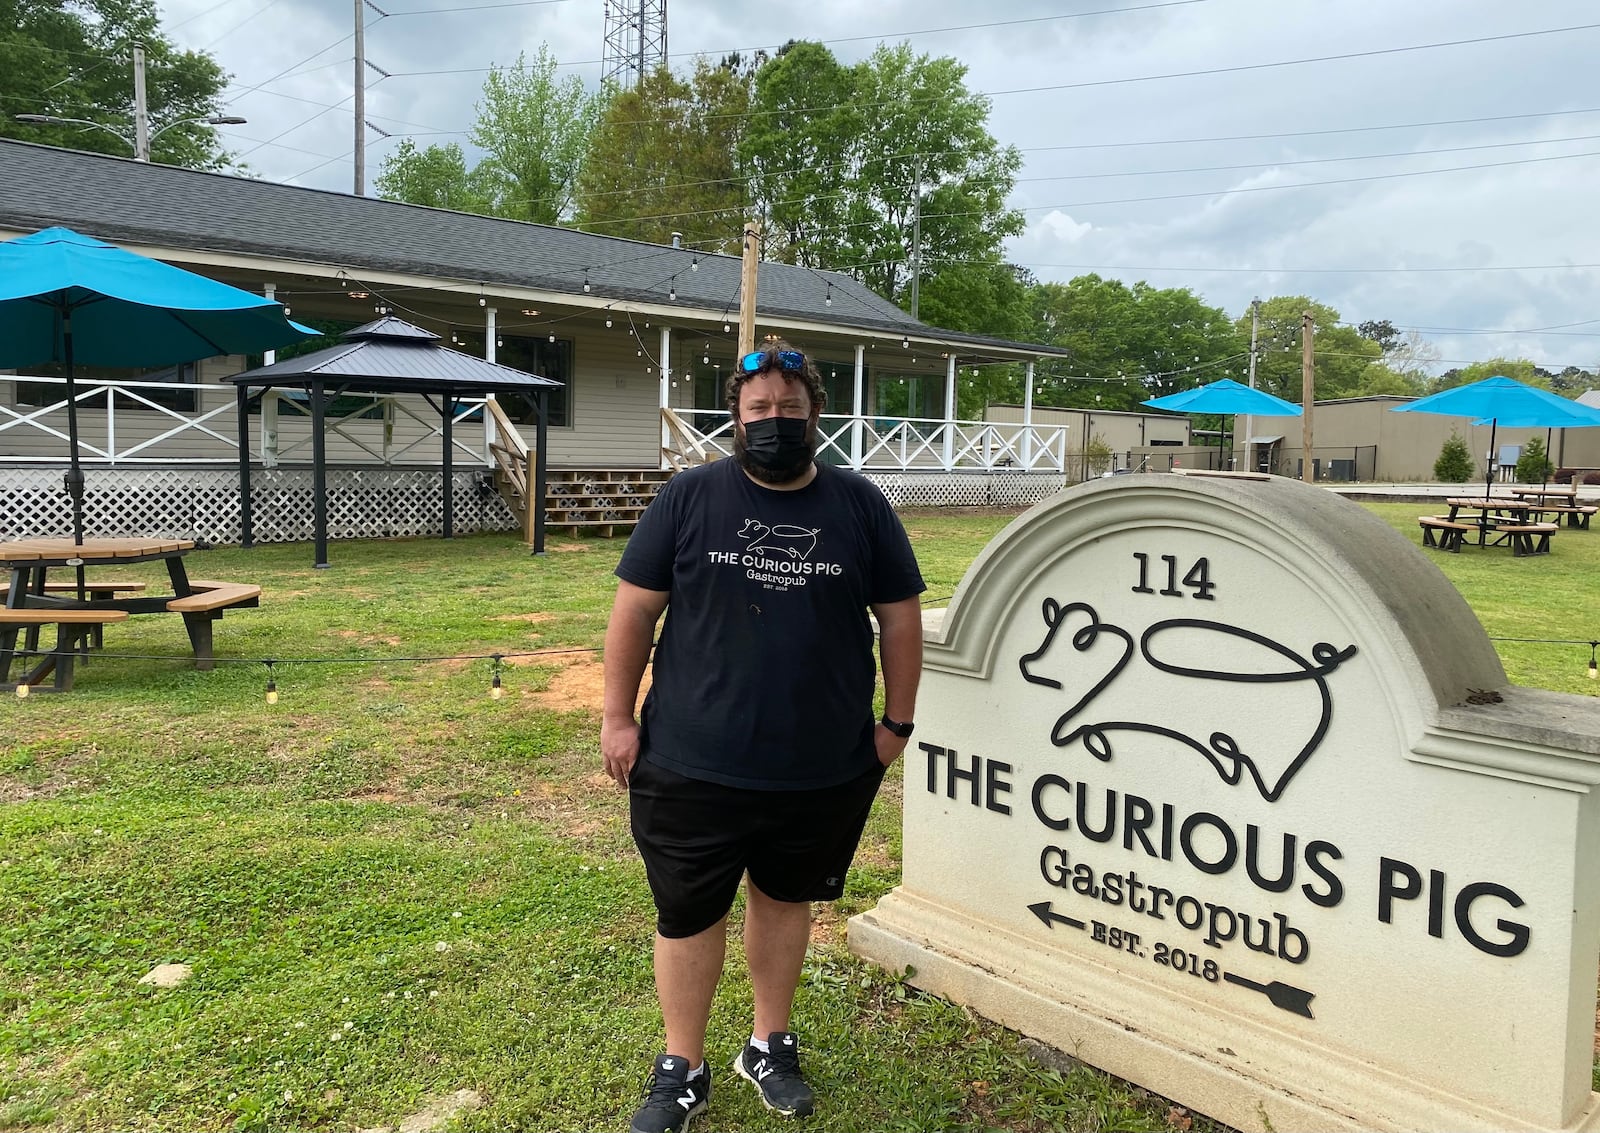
(671, 1098)
(776, 1075)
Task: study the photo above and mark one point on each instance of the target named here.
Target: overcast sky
(1209, 144)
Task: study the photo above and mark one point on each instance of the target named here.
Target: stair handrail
(685, 448)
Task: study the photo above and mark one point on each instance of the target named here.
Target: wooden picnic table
(1564, 492)
(1491, 513)
(32, 597)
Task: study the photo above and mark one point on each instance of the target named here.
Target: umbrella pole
(74, 480)
(1489, 465)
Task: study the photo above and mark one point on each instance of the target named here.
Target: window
(177, 400)
(546, 359)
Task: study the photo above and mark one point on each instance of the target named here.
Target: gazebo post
(246, 528)
(541, 401)
(447, 409)
(319, 478)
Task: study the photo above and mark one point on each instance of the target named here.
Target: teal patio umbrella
(1505, 401)
(1226, 397)
(73, 299)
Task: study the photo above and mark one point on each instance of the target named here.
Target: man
(758, 751)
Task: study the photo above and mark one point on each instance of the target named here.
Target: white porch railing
(884, 444)
(125, 423)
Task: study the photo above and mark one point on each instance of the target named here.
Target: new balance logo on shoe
(688, 1099)
(776, 1075)
(672, 1098)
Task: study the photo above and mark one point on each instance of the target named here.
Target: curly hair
(809, 374)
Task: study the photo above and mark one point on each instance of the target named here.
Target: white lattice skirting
(203, 503)
(363, 503)
(967, 489)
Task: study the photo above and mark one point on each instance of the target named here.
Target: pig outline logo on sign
(1220, 749)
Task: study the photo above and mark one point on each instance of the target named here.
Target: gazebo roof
(390, 355)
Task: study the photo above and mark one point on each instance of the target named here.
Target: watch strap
(902, 730)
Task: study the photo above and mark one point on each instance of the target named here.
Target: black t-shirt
(764, 671)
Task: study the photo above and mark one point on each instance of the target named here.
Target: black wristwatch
(902, 730)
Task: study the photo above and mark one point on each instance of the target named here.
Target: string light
(586, 287)
(608, 324)
(552, 337)
(272, 685)
(725, 328)
(22, 690)
(694, 264)
(905, 344)
(827, 299)
(672, 292)
(1594, 669)
(495, 689)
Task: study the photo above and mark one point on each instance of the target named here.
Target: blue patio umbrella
(69, 298)
(1226, 397)
(1505, 401)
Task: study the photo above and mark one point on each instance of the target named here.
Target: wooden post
(1308, 396)
(747, 289)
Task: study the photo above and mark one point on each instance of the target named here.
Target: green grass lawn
(391, 886)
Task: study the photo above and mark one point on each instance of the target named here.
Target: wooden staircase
(578, 501)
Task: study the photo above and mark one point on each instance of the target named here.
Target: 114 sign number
(1198, 578)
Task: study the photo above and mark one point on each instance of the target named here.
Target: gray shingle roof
(122, 200)
(393, 356)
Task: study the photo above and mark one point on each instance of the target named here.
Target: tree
(1521, 370)
(1454, 465)
(1533, 466)
(73, 59)
(436, 176)
(664, 158)
(1342, 355)
(1130, 343)
(535, 132)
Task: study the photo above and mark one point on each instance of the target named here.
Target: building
(641, 336)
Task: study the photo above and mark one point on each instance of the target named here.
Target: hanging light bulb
(499, 341)
(694, 264)
(552, 337)
(827, 300)
(272, 685)
(705, 359)
(1594, 669)
(639, 353)
(608, 324)
(905, 344)
(495, 689)
(288, 310)
(586, 287)
(672, 291)
(482, 302)
(22, 690)
(724, 328)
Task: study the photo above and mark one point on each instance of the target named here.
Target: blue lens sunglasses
(758, 360)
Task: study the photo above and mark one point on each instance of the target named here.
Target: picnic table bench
(1529, 538)
(74, 627)
(1576, 515)
(206, 604)
(1444, 533)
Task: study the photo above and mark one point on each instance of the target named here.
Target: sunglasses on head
(758, 360)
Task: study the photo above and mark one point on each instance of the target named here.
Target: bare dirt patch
(580, 685)
(532, 619)
(353, 635)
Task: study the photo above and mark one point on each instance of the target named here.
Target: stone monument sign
(1219, 785)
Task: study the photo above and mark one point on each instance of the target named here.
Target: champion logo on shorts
(831, 881)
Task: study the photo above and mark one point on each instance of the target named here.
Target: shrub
(1533, 467)
(1454, 465)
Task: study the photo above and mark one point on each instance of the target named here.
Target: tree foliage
(664, 158)
(1130, 343)
(1454, 465)
(74, 59)
(1533, 466)
(535, 134)
(1342, 354)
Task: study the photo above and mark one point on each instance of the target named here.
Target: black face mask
(780, 447)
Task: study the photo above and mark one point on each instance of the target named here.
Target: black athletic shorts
(698, 839)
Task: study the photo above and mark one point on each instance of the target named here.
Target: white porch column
(950, 413)
(857, 405)
(1027, 421)
(666, 389)
(268, 357)
(489, 335)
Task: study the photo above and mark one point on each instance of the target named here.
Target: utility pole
(361, 98)
(916, 240)
(1249, 418)
(141, 108)
(747, 288)
(1308, 396)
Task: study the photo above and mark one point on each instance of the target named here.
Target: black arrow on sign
(1050, 917)
(1283, 995)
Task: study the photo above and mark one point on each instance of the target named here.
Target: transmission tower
(636, 40)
